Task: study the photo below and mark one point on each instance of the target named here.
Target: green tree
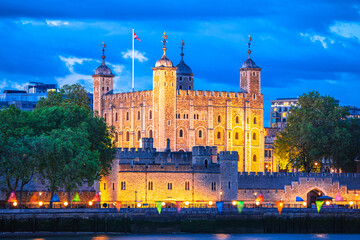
(315, 127)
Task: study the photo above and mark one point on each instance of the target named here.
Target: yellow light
(257, 203)
(255, 194)
(139, 205)
(66, 204)
(163, 203)
(327, 203)
(281, 204)
(316, 164)
(187, 203)
(304, 204)
(210, 203)
(90, 203)
(114, 203)
(220, 193)
(14, 204)
(40, 203)
(234, 203)
(40, 193)
(99, 193)
(351, 203)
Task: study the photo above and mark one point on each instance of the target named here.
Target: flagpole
(133, 56)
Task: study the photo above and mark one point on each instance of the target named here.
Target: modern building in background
(279, 111)
(27, 99)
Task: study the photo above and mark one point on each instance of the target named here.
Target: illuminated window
(104, 186)
(116, 137)
(169, 186)
(284, 114)
(105, 117)
(150, 185)
(275, 109)
(213, 186)
(113, 186)
(187, 185)
(123, 185)
(181, 133)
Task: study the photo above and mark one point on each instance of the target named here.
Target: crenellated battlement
(304, 174)
(204, 151)
(129, 95)
(227, 155)
(215, 94)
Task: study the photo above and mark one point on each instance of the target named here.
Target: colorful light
(90, 203)
(163, 203)
(304, 204)
(327, 203)
(139, 205)
(210, 203)
(257, 203)
(351, 203)
(14, 204)
(41, 203)
(66, 204)
(187, 203)
(234, 203)
(114, 203)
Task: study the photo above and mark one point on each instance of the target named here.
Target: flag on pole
(319, 205)
(136, 37)
(240, 205)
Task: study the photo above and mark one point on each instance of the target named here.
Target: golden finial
(164, 42)
(249, 44)
(103, 50)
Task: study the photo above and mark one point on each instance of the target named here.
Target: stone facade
(146, 175)
(228, 120)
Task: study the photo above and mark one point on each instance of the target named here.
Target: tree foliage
(317, 129)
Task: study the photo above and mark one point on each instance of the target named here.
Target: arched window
(116, 137)
(150, 114)
(237, 119)
(138, 115)
(200, 134)
(116, 117)
(237, 136)
(105, 117)
(219, 119)
(181, 133)
(254, 120)
(150, 133)
(127, 136)
(254, 158)
(219, 135)
(138, 135)
(127, 116)
(254, 136)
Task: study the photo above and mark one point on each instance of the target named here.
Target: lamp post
(220, 196)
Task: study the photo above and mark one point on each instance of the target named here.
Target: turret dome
(103, 70)
(164, 62)
(249, 63)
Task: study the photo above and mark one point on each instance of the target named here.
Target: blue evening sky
(301, 45)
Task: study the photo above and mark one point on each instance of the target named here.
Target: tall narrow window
(189, 87)
(150, 133)
(138, 115)
(206, 163)
(229, 185)
(213, 186)
(127, 136)
(254, 120)
(237, 136)
(150, 114)
(219, 135)
(187, 185)
(181, 133)
(219, 119)
(169, 186)
(200, 134)
(150, 185)
(237, 119)
(127, 116)
(254, 158)
(116, 137)
(123, 186)
(116, 118)
(254, 136)
(139, 135)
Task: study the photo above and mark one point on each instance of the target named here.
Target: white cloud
(137, 55)
(71, 61)
(323, 40)
(56, 23)
(5, 84)
(346, 29)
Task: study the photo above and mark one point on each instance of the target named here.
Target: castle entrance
(313, 195)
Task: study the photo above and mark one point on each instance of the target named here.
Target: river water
(201, 237)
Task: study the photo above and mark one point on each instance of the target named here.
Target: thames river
(202, 237)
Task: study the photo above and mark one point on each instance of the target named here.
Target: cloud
(6, 84)
(346, 29)
(71, 61)
(56, 23)
(137, 55)
(324, 41)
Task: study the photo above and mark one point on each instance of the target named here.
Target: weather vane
(249, 44)
(182, 48)
(103, 50)
(165, 37)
